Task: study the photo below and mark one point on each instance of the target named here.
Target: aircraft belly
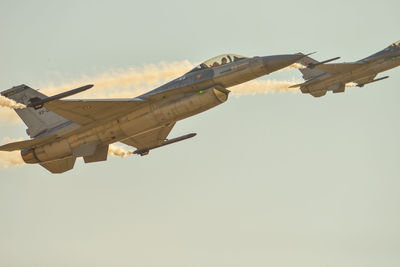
(149, 117)
(332, 83)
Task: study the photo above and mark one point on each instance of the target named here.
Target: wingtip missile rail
(309, 54)
(313, 65)
(145, 151)
(38, 103)
(376, 80)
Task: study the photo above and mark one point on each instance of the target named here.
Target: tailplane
(309, 73)
(38, 120)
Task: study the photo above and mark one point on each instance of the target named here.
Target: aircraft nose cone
(274, 63)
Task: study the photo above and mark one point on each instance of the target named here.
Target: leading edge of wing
(149, 139)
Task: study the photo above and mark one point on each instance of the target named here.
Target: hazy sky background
(270, 180)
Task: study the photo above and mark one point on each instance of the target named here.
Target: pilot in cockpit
(224, 61)
(397, 44)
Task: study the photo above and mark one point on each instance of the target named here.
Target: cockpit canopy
(396, 44)
(218, 61)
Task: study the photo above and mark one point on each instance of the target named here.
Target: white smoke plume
(117, 151)
(9, 103)
(263, 87)
(8, 115)
(351, 85)
(293, 66)
(128, 82)
(8, 159)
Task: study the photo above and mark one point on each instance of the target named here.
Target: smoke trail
(263, 87)
(9, 103)
(351, 85)
(8, 115)
(8, 159)
(125, 82)
(118, 151)
(297, 66)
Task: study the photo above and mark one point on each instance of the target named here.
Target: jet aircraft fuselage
(321, 78)
(62, 130)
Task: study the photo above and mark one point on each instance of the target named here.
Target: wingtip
(309, 54)
(301, 53)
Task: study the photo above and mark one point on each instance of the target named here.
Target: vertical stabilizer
(309, 73)
(38, 120)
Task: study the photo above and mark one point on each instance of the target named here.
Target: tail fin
(307, 72)
(39, 120)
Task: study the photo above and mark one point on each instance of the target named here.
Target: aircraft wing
(150, 139)
(339, 68)
(365, 80)
(84, 112)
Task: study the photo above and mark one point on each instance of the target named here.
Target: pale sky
(270, 180)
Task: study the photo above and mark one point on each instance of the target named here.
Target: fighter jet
(321, 77)
(63, 130)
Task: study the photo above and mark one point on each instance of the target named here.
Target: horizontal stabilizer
(307, 72)
(27, 143)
